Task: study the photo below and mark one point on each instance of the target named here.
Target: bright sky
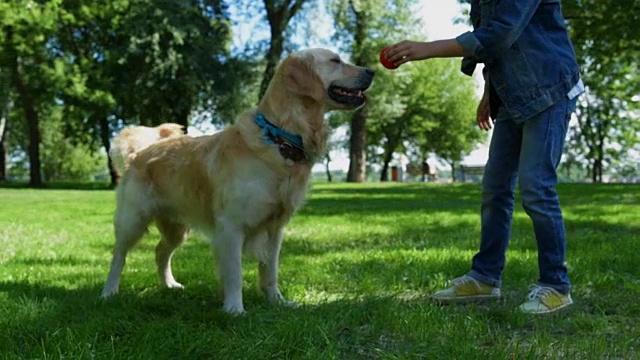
(438, 17)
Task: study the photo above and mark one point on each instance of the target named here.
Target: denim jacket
(526, 50)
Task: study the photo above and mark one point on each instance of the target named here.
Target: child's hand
(405, 51)
(483, 114)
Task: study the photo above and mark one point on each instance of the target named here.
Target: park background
(363, 255)
(73, 73)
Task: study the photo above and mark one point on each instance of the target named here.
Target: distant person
(532, 82)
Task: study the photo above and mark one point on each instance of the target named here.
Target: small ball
(383, 60)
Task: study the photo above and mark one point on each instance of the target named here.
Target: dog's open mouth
(347, 96)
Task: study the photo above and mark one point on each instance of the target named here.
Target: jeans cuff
(483, 279)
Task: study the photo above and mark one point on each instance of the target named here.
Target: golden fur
(235, 188)
(136, 138)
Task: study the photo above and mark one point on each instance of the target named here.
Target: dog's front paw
(108, 292)
(275, 297)
(173, 285)
(288, 303)
(234, 309)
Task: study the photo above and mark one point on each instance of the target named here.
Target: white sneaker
(544, 300)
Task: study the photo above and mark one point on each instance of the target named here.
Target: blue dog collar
(270, 131)
(290, 145)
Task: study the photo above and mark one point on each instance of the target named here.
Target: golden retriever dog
(133, 139)
(241, 186)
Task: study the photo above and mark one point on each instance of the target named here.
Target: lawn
(360, 259)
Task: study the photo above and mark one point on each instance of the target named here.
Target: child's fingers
(398, 52)
(484, 122)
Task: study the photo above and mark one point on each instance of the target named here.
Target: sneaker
(466, 289)
(544, 300)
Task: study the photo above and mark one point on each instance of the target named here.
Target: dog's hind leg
(173, 235)
(130, 225)
(268, 269)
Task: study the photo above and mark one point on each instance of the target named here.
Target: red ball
(383, 60)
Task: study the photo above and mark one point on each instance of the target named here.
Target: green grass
(360, 259)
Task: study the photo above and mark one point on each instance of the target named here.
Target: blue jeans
(527, 152)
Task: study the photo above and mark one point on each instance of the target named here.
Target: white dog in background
(241, 186)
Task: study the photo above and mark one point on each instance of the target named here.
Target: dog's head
(321, 75)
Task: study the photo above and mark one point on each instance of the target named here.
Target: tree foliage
(119, 62)
(419, 108)
(72, 72)
(607, 42)
(363, 28)
(429, 108)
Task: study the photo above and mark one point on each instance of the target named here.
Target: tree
(86, 42)
(170, 53)
(146, 62)
(5, 109)
(279, 15)
(430, 110)
(26, 29)
(63, 157)
(607, 51)
(365, 27)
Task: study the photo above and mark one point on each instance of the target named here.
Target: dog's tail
(131, 140)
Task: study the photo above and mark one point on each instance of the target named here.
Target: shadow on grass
(171, 324)
(355, 321)
(190, 323)
(58, 261)
(401, 189)
(455, 233)
(59, 185)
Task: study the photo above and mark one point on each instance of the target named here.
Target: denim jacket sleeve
(501, 25)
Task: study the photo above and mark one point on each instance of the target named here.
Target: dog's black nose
(370, 72)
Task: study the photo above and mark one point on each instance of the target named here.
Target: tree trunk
(29, 107)
(105, 137)
(183, 118)
(357, 147)
(33, 122)
(328, 171)
(384, 174)
(273, 58)
(601, 139)
(4, 149)
(183, 108)
(596, 171)
(358, 140)
(394, 138)
(33, 126)
(5, 108)
(453, 171)
(388, 156)
(279, 13)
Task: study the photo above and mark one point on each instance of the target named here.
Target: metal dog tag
(292, 153)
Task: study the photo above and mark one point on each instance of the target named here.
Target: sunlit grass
(360, 259)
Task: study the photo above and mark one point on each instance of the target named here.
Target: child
(531, 84)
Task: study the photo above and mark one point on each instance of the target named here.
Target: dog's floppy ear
(300, 77)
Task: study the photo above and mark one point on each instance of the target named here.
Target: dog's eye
(337, 61)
